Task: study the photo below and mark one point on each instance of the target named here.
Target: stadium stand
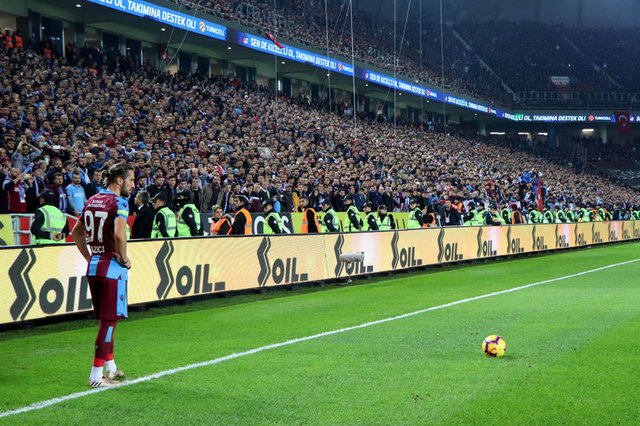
(601, 65)
(92, 110)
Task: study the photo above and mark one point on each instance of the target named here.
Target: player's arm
(80, 239)
(120, 233)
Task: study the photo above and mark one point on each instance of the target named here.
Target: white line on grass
(53, 401)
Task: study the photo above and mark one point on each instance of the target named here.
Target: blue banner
(292, 53)
(561, 118)
(166, 16)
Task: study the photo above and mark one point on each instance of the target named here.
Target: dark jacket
(450, 217)
(143, 222)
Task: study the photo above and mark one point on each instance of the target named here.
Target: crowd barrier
(292, 222)
(20, 224)
(49, 280)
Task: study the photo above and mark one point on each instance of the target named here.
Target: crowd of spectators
(525, 55)
(61, 123)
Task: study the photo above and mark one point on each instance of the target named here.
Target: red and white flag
(623, 122)
(539, 195)
(273, 39)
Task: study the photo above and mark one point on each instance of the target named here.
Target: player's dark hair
(114, 172)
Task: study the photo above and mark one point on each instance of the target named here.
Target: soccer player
(103, 227)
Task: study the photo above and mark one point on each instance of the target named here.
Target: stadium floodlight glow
(282, 62)
(163, 29)
(543, 134)
(587, 130)
(497, 133)
(523, 133)
(228, 47)
(78, 5)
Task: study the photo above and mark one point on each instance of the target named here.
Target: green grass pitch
(573, 353)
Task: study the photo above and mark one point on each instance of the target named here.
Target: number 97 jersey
(99, 215)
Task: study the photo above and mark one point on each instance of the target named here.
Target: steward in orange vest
(310, 222)
(221, 225)
(242, 222)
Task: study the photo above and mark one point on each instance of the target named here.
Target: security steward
(602, 213)
(164, 222)
(189, 224)
(534, 215)
(506, 214)
(330, 222)
(416, 217)
(242, 221)
(516, 215)
(370, 218)
(472, 218)
(310, 222)
(429, 216)
(548, 216)
(583, 215)
(49, 224)
(221, 225)
(272, 222)
(352, 222)
(491, 217)
(593, 214)
(385, 219)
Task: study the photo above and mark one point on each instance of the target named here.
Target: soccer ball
(494, 346)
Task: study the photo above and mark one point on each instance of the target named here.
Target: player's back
(99, 215)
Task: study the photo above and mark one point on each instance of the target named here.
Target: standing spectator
(95, 186)
(15, 187)
(24, 155)
(449, 216)
(195, 191)
(61, 200)
(144, 216)
(76, 195)
(211, 193)
(34, 191)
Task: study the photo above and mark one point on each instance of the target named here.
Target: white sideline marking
(53, 401)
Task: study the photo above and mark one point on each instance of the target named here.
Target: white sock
(96, 374)
(111, 365)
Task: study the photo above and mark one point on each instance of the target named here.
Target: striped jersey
(99, 215)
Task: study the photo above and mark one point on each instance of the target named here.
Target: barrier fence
(49, 280)
(291, 224)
